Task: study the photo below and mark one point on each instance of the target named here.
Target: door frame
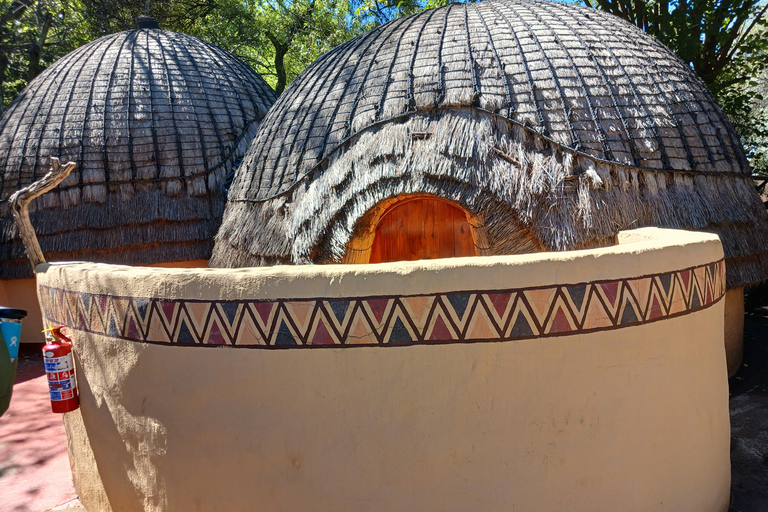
(360, 245)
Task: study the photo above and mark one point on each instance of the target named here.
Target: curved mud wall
(582, 381)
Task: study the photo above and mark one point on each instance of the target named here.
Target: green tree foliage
(278, 38)
(33, 34)
(372, 13)
(104, 17)
(724, 41)
(756, 140)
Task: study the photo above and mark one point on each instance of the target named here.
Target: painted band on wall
(458, 317)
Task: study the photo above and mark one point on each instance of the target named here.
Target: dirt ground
(34, 468)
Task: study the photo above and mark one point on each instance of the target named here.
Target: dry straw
(155, 120)
(557, 125)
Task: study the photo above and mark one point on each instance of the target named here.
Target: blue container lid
(12, 314)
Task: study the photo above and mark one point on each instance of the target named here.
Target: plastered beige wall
(630, 422)
(631, 419)
(85, 471)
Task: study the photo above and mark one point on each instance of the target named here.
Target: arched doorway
(414, 228)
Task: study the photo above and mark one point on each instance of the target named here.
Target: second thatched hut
(545, 126)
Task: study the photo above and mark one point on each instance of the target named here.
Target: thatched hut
(546, 126)
(155, 121)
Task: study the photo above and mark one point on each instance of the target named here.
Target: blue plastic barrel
(10, 339)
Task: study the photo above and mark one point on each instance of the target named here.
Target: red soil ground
(34, 466)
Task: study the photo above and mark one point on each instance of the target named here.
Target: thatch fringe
(533, 195)
(117, 224)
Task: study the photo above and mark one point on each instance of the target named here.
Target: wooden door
(422, 228)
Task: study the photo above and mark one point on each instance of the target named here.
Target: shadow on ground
(749, 415)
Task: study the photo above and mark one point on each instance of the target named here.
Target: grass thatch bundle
(155, 120)
(548, 120)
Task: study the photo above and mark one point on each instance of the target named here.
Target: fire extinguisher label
(57, 364)
(61, 377)
(58, 386)
(54, 376)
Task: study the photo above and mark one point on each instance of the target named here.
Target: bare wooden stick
(20, 205)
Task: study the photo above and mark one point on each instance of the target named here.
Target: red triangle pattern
(378, 308)
(685, 277)
(610, 290)
(132, 331)
(215, 336)
(322, 336)
(656, 311)
(560, 322)
(440, 331)
(500, 301)
(264, 309)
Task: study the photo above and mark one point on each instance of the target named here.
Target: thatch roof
(155, 121)
(549, 120)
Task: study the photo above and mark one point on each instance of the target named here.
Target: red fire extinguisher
(60, 368)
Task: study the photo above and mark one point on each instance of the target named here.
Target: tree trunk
(34, 51)
(280, 52)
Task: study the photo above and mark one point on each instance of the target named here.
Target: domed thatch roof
(155, 120)
(555, 123)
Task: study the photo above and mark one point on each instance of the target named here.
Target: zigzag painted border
(456, 317)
